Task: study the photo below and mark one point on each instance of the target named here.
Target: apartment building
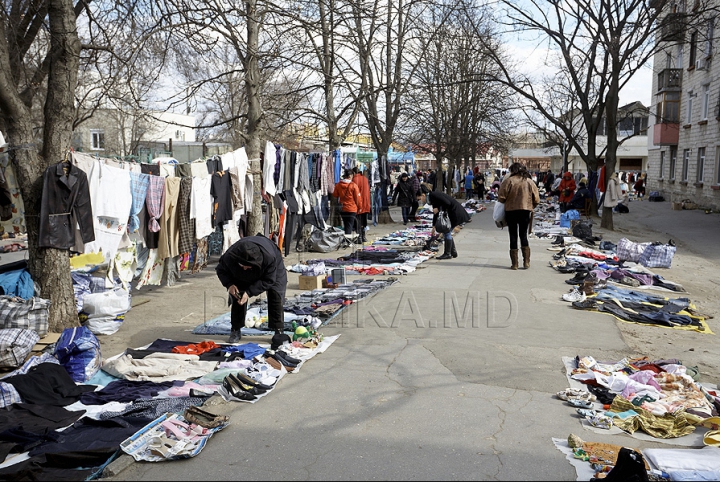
(684, 140)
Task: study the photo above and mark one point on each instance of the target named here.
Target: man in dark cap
(249, 267)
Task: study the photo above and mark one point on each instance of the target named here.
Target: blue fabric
(249, 350)
(469, 181)
(338, 165)
(17, 283)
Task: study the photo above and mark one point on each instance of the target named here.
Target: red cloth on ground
(196, 349)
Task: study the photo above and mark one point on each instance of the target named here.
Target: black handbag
(442, 225)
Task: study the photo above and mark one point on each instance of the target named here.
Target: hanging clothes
(139, 186)
(110, 212)
(66, 201)
(187, 227)
(214, 164)
(268, 170)
(169, 226)
(221, 191)
(201, 207)
(199, 169)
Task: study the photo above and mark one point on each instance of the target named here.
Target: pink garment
(646, 377)
(184, 391)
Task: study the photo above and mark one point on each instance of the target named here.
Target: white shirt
(269, 168)
(201, 206)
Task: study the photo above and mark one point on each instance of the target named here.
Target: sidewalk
(420, 386)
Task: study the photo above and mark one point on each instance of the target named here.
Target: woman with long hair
(521, 197)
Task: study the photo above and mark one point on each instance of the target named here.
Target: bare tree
(455, 107)
(600, 45)
(40, 45)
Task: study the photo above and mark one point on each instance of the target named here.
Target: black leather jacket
(65, 203)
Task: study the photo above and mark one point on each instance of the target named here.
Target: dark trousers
(293, 226)
(413, 209)
(276, 314)
(362, 220)
(405, 213)
(518, 223)
(348, 221)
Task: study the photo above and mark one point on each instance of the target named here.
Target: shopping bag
(630, 251)
(78, 350)
(442, 225)
(658, 255)
(15, 345)
(31, 314)
(499, 214)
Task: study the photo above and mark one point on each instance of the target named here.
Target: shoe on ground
(234, 336)
(627, 280)
(574, 295)
(444, 256)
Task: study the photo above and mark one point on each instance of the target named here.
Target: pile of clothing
(658, 397)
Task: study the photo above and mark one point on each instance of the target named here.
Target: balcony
(672, 27)
(669, 79)
(665, 134)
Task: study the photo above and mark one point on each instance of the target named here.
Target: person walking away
(457, 214)
(249, 267)
(469, 178)
(521, 197)
(348, 196)
(415, 180)
(567, 191)
(404, 195)
(364, 207)
(480, 184)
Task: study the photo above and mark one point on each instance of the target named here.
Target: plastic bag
(111, 302)
(325, 241)
(78, 350)
(499, 214)
(630, 251)
(442, 225)
(658, 256)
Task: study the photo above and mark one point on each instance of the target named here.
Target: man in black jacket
(249, 267)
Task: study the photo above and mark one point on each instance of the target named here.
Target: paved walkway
(448, 375)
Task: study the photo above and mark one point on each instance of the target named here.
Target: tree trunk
(254, 114)
(612, 145)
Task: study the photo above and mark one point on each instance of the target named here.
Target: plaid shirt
(8, 395)
(327, 175)
(138, 187)
(155, 201)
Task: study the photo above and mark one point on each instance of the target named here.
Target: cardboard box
(311, 282)
(44, 342)
(677, 206)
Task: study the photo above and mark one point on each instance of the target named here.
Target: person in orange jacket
(348, 195)
(567, 190)
(364, 206)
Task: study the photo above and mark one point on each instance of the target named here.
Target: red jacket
(567, 188)
(364, 188)
(348, 194)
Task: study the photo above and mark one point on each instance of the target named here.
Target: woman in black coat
(457, 214)
(404, 194)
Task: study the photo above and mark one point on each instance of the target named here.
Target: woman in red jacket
(348, 195)
(364, 206)
(567, 191)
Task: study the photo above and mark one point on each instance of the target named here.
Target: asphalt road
(449, 374)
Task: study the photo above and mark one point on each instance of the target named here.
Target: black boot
(448, 249)
(453, 251)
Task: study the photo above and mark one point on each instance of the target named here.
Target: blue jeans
(405, 213)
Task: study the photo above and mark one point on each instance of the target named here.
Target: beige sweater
(518, 193)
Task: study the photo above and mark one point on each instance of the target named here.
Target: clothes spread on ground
(48, 384)
(124, 391)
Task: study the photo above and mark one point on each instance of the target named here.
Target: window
(688, 114)
(673, 161)
(686, 161)
(706, 101)
(693, 50)
(710, 35)
(662, 163)
(97, 140)
(700, 165)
